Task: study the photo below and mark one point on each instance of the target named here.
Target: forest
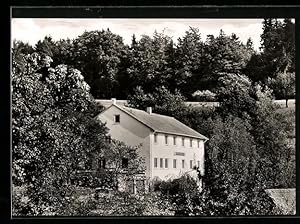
(54, 133)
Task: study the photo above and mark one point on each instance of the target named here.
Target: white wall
(129, 130)
(132, 132)
(161, 150)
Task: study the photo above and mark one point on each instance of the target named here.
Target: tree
(235, 96)
(97, 54)
(270, 136)
(52, 114)
(46, 46)
(20, 47)
(123, 163)
(151, 61)
(278, 52)
(161, 100)
(189, 58)
(284, 84)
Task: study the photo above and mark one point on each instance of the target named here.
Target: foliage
(204, 95)
(220, 198)
(183, 193)
(230, 147)
(284, 84)
(235, 96)
(277, 54)
(161, 100)
(270, 132)
(52, 123)
(151, 61)
(124, 204)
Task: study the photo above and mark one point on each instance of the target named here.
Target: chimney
(114, 101)
(149, 110)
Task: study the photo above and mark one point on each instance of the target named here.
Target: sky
(31, 30)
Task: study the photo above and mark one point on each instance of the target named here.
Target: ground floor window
(155, 162)
(124, 163)
(101, 163)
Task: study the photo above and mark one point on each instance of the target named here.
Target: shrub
(204, 95)
(182, 193)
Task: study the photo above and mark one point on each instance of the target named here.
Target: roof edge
(158, 131)
(131, 115)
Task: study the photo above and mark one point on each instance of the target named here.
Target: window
(198, 144)
(191, 164)
(166, 163)
(182, 163)
(174, 163)
(101, 163)
(182, 141)
(166, 139)
(155, 162)
(108, 139)
(161, 163)
(117, 118)
(198, 164)
(155, 138)
(191, 142)
(124, 163)
(174, 140)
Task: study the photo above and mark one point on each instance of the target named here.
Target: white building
(168, 147)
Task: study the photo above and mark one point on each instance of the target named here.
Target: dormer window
(117, 118)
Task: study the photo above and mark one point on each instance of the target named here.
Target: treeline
(114, 69)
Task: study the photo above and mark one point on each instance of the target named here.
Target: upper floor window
(161, 163)
(198, 144)
(117, 118)
(124, 163)
(166, 163)
(166, 139)
(155, 138)
(182, 141)
(174, 140)
(182, 162)
(191, 142)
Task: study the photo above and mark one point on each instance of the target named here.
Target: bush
(125, 204)
(183, 193)
(204, 95)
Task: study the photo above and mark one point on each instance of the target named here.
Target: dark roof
(162, 123)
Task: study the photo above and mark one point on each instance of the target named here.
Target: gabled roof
(161, 123)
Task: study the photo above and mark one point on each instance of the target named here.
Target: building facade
(169, 148)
